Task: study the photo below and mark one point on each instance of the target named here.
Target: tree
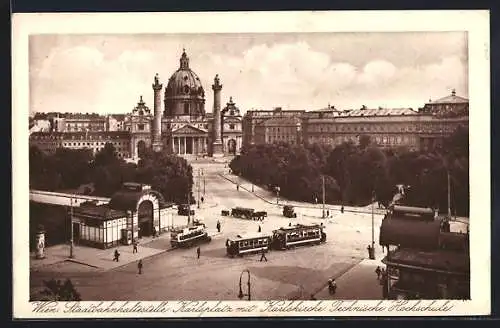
(106, 156)
(364, 141)
(169, 174)
(55, 290)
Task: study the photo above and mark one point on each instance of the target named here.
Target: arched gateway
(143, 205)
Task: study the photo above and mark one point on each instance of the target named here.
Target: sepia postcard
(246, 164)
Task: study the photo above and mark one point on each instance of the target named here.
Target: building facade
(133, 212)
(232, 132)
(394, 127)
(425, 260)
(49, 142)
(182, 127)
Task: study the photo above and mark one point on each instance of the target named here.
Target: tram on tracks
(247, 244)
(189, 236)
(297, 235)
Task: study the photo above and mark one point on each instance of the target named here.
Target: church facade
(183, 127)
(178, 123)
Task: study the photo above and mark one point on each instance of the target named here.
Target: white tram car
(190, 236)
(298, 235)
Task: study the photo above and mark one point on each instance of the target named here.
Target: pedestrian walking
(116, 256)
(202, 199)
(134, 250)
(154, 232)
(290, 224)
(198, 252)
(260, 229)
(327, 213)
(332, 286)
(378, 272)
(218, 225)
(263, 255)
(342, 209)
(237, 187)
(139, 266)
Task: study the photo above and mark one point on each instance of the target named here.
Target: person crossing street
(139, 266)
(198, 252)
(263, 255)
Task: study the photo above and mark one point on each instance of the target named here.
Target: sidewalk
(101, 258)
(358, 283)
(270, 197)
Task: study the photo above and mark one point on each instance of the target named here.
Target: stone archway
(145, 214)
(231, 146)
(148, 214)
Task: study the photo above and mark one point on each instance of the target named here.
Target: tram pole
(372, 254)
(189, 207)
(71, 255)
(323, 190)
(198, 186)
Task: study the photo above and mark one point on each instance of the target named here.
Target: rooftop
(101, 212)
(451, 99)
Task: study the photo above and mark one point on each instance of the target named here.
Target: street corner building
(183, 127)
(425, 260)
(421, 129)
(133, 212)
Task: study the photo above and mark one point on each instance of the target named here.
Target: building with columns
(181, 127)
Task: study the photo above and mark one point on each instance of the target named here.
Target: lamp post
(131, 216)
(241, 294)
(323, 191)
(71, 255)
(198, 186)
(372, 251)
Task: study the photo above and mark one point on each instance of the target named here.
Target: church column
(216, 127)
(156, 124)
(192, 145)
(184, 145)
(173, 145)
(177, 146)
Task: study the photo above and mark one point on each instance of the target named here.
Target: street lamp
(241, 294)
(71, 255)
(372, 251)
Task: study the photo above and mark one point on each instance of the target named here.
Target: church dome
(184, 94)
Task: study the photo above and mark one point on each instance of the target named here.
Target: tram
(190, 236)
(246, 244)
(297, 235)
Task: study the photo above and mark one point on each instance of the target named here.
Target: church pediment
(232, 120)
(190, 130)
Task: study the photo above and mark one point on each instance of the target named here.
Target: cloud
(289, 74)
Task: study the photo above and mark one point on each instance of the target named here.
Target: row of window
(422, 127)
(399, 139)
(102, 143)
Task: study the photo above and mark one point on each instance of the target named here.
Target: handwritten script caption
(225, 308)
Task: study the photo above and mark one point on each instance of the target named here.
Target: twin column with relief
(156, 131)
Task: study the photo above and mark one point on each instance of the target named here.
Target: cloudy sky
(108, 73)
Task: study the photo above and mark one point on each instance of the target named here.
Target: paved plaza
(177, 274)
